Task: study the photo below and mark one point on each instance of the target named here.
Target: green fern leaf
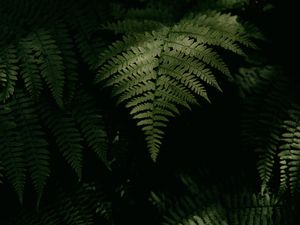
(66, 46)
(130, 26)
(41, 49)
(8, 72)
(153, 13)
(140, 20)
(66, 134)
(155, 73)
(33, 141)
(77, 206)
(91, 125)
(88, 46)
(289, 154)
(29, 68)
(264, 91)
(11, 151)
(223, 203)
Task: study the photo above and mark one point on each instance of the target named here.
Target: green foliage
(24, 145)
(263, 118)
(157, 72)
(158, 59)
(221, 202)
(67, 135)
(270, 126)
(8, 72)
(81, 205)
(289, 152)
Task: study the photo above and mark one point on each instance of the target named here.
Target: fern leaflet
(66, 133)
(91, 125)
(11, 151)
(40, 51)
(8, 72)
(33, 141)
(289, 154)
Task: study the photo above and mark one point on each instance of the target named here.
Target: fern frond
(66, 134)
(40, 51)
(91, 125)
(8, 72)
(140, 20)
(264, 89)
(77, 206)
(29, 68)
(289, 154)
(66, 46)
(247, 208)
(152, 12)
(11, 151)
(198, 50)
(168, 68)
(223, 203)
(89, 47)
(131, 26)
(33, 141)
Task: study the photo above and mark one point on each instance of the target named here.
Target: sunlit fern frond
(155, 73)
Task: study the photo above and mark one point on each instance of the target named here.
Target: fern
(207, 202)
(168, 68)
(33, 140)
(91, 125)
(8, 72)
(163, 64)
(42, 59)
(289, 152)
(77, 206)
(264, 90)
(140, 20)
(66, 46)
(12, 154)
(72, 128)
(29, 69)
(88, 43)
(67, 135)
(30, 148)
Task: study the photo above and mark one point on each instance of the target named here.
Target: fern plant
(209, 202)
(24, 145)
(270, 126)
(156, 72)
(81, 205)
(157, 62)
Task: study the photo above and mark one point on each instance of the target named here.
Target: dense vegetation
(148, 112)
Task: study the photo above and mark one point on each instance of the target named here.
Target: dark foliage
(148, 112)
